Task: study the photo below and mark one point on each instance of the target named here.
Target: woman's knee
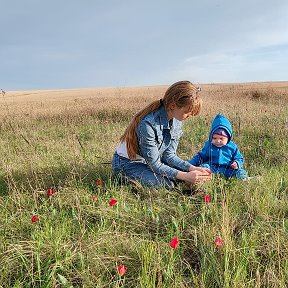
(151, 180)
(140, 172)
(159, 182)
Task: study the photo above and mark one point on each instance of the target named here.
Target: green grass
(78, 241)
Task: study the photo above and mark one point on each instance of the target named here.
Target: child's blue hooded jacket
(219, 157)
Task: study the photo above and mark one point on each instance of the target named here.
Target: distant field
(64, 140)
(39, 102)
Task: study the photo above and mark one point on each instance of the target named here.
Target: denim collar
(163, 117)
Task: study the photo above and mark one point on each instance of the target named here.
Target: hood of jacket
(220, 121)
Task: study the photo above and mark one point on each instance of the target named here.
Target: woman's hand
(196, 176)
(195, 168)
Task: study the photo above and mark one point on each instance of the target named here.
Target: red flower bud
(174, 243)
(121, 270)
(113, 202)
(207, 198)
(218, 241)
(99, 183)
(50, 192)
(94, 197)
(34, 218)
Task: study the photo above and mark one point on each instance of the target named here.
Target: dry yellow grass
(230, 99)
(53, 102)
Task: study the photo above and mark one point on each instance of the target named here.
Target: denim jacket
(158, 142)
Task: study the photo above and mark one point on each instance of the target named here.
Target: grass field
(64, 140)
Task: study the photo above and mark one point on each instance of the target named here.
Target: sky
(69, 44)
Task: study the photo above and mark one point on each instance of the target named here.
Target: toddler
(220, 154)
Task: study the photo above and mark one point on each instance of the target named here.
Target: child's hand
(234, 165)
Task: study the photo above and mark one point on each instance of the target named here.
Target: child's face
(219, 140)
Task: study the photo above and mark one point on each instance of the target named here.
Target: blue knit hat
(221, 132)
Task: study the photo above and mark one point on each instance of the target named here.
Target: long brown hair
(182, 93)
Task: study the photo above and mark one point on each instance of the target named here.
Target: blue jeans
(140, 172)
(227, 172)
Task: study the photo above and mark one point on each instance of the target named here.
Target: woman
(147, 151)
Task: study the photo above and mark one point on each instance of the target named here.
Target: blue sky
(66, 44)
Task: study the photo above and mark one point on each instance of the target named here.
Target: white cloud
(250, 65)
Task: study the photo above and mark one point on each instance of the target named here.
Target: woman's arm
(150, 152)
(170, 157)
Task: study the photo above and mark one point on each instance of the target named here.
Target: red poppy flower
(121, 270)
(50, 192)
(174, 243)
(207, 198)
(113, 202)
(99, 183)
(94, 197)
(218, 241)
(34, 218)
